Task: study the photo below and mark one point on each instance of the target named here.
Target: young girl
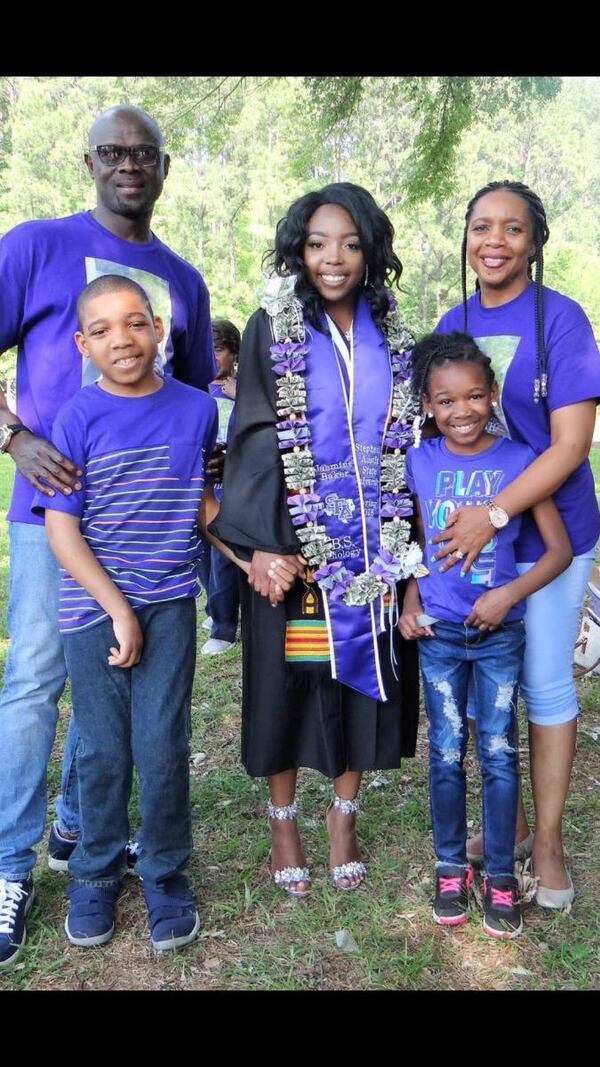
(472, 633)
(315, 469)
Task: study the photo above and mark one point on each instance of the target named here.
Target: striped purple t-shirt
(143, 461)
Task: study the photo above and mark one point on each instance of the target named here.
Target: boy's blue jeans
(135, 715)
(458, 658)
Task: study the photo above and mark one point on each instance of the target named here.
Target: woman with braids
(314, 497)
(546, 360)
(472, 635)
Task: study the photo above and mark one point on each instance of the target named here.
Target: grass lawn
(256, 937)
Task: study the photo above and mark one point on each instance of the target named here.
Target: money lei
(398, 557)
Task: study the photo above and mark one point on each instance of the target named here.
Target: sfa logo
(339, 507)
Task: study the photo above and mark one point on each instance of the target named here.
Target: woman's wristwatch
(7, 432)
(497, 515)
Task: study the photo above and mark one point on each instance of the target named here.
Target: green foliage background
(243, 148)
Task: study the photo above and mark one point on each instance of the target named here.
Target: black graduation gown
(287, 723)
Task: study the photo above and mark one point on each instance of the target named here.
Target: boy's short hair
(109, 283)
(226, 334)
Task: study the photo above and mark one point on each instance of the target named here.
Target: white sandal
(586, 656)
(556, 899)
(353, 868)
(286, 877)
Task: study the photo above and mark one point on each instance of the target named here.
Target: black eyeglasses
(111, 155)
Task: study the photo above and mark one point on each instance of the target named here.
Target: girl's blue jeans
(457, 659)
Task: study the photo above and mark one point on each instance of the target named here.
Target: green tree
(442, 109)
(243, 149)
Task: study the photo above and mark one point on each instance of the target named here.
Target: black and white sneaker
(501, 908)
(16, 899)
(451, 903)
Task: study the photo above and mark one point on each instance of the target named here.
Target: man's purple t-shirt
(143, 461)
(44, 265)
(444, 481)
(507, 335)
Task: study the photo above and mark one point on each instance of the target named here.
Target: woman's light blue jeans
(551, 626)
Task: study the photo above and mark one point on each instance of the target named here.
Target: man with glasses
(44, 265)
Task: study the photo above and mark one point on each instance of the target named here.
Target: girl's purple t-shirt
(143, 461)
(444, 481)
(507, 335)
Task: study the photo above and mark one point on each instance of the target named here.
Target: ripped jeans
(459, 657)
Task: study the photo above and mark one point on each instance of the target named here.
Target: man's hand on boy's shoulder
(37, 458)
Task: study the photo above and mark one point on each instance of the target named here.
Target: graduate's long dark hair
(540, 234)
(376, 235)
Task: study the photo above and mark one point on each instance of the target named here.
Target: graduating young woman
(314, 498)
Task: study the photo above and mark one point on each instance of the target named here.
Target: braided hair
(540, 234)
(435, 349)
(376, 235)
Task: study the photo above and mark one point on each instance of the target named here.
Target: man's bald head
(124, 113)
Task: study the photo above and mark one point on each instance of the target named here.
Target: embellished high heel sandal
(286, 877)
(353, 868)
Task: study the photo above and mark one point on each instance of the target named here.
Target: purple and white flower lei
(397, 557)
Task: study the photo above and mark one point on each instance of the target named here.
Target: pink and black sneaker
(451, 895)
(501, 908)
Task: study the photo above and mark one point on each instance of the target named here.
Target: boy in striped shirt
(128, 546)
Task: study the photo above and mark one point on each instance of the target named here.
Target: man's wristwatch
(7, 432)
(497, 515)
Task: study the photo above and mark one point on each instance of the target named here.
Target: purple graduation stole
(347, 434)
